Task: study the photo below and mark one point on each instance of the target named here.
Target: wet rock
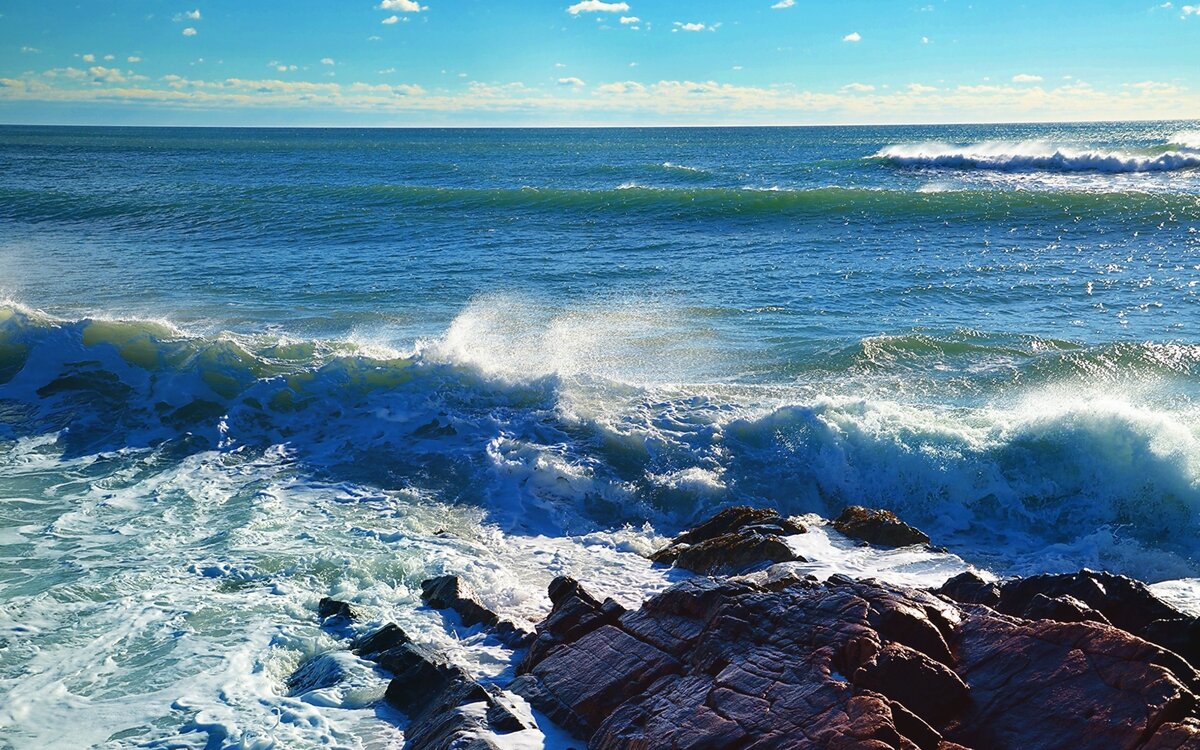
(848, 664)
(319, 672)
(451, 592)
(880, 527)
(735, 540)
(332, 609)
(1088, 595)
(445, 706)
(575, 613)
(969, 588)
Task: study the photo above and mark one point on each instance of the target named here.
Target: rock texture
(445, 706)
(735, 540)
(879, 527)
(1086, 595)
(848, 664)
(451, 592)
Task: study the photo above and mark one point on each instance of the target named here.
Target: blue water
(241, 369)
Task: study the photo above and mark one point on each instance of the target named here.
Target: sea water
(241, 370)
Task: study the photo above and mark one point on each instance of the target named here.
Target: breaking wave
(1040, 156)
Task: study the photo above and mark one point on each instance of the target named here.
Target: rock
(1086, 595)
(848, 664)
(447, 709)
(333, 609)
(969, 588)
(735, 540)
(319, 672)
(1065, 608)
(451, 592)
(880, 527)
(575, 613)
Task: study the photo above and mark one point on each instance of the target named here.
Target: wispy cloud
(391, 20)
(189, 31)
(571, 81)
(30, 50)
(859, 88)
(681, 26)
(629, 19)
(327, 61)
(783, 4)
(1026, 78)
(597, 6)
(404, 6)
(853, 36)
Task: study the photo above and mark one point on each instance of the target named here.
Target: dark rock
(321, 671)
(1124, 602)
(849, 664)
(1065, 608)
(880, 527)
(451, 592)
(734, 540)
(332, 608)
(575, 613)
(387, 637)
(438, 697)
(969, 588)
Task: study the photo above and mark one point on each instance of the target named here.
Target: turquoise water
(244, 369)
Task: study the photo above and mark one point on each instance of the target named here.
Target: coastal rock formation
(879, 527)
(445, 706)
(847, 664)
(332, 609)
(451, 592)
(1086, 595)
(735, 540)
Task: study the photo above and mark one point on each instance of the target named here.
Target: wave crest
(1039, 156)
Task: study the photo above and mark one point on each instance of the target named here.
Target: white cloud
(189, 31)
(597, 6)
(924, 40)
(918, 88)
(89, 58)
(390, 20)
(133, 59)
(30, 50)
(108, 57)
(784, 4)
(629, 19)
(570, 81)
(737, 67)
(1190, 10)
(404, 6)
(853, 36)
(327, 61)
(858, 88)
(387, 71)
(193, 14)
(681, 26)
(1025, 78)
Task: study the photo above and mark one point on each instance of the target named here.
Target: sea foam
(1041, 156)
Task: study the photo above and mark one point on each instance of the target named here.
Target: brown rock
(735, 540)
(880, 527)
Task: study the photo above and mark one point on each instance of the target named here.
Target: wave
(326, 213)
(1083, 476)
(1039, 156)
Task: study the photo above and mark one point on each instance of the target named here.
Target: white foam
(1035, 156)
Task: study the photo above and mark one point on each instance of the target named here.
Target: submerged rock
(332, 609)
(847, 664)
(735, 540)
(880, 527)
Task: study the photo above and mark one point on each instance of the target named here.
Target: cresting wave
(1053, 478)
(1025, 156)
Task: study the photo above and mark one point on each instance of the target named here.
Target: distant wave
(1031, 156)
(1189, 139)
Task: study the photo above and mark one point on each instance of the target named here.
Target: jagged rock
(969, 588)
(447, 709)
(451, 592)
(333, 609)
(734, 540)
(1103, 597)
(848, 664)
(575, 614)
(880, 527)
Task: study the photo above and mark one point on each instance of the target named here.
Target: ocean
(243, 369)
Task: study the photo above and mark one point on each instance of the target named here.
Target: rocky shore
(750, 654)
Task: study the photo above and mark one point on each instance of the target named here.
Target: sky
(594, 62)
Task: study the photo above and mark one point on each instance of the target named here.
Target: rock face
(848, 664)
(735, 540)
(450, 592)
(880, 527)
(445, 706)
(1086, 595)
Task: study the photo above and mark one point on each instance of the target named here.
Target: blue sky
(537, 62)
